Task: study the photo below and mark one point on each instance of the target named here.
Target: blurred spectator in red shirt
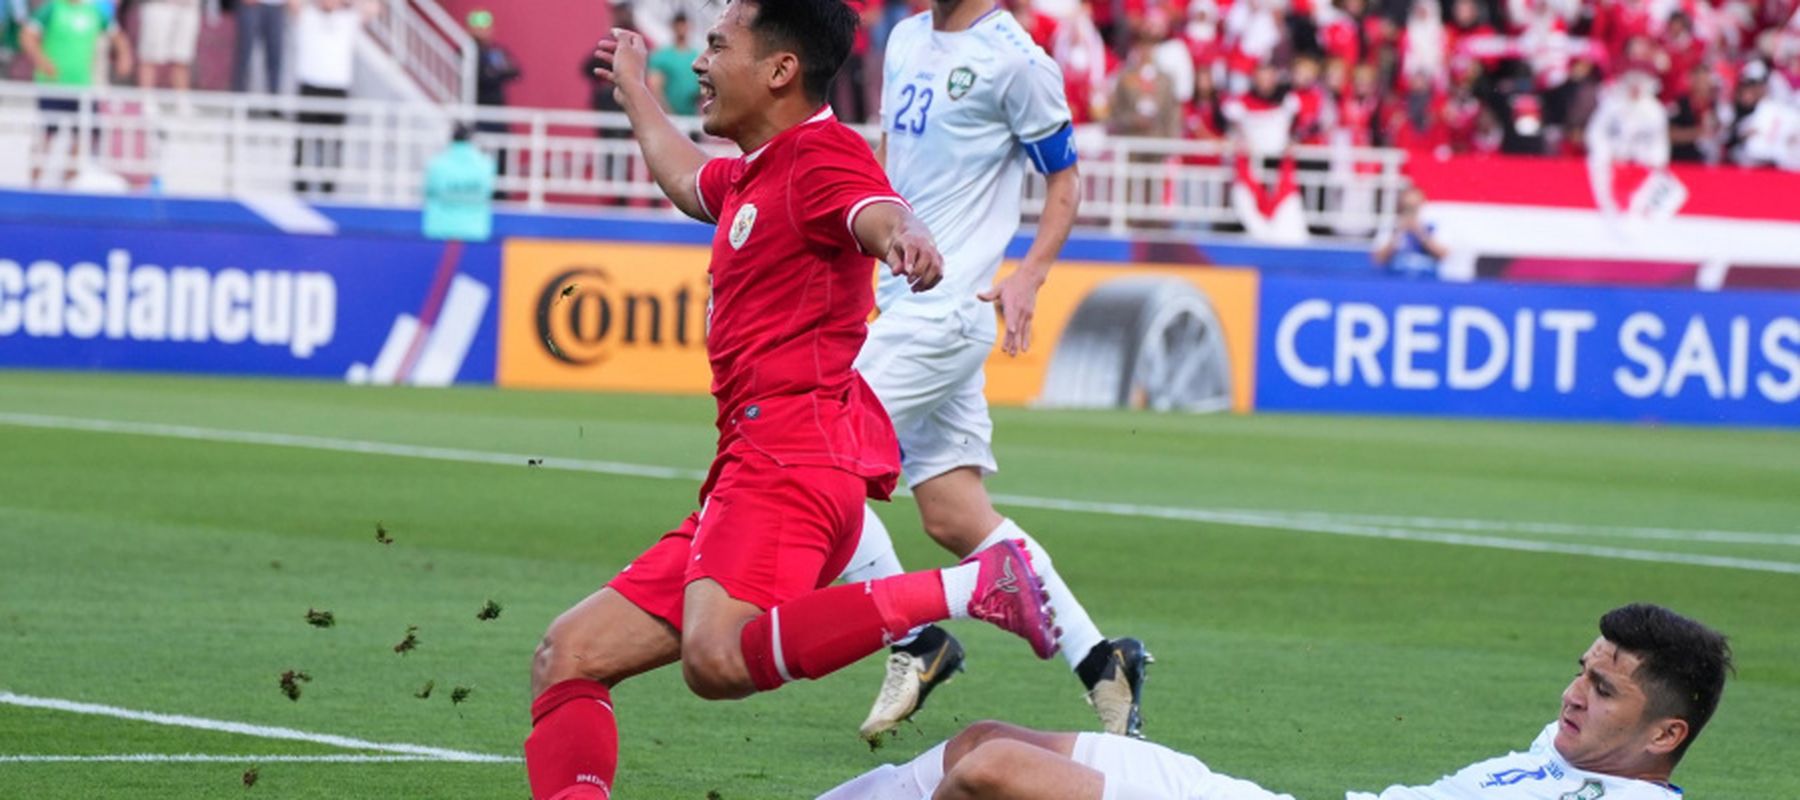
(1682, 52)
(1314, 113)
(1468, 129)
(1415, 121)
(1467, 18)
(1086, 62)
(1341, 30)
(1616, 22)
(1201, 33)
(1041, 27)
(1264, 116)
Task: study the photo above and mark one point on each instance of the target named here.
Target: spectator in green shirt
(62, 39)
(672, 72)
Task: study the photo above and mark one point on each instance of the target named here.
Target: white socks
(959, 588)
(874, 557)
(915, 780)
(1079, 634)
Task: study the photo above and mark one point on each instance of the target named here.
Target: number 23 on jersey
(915, 107)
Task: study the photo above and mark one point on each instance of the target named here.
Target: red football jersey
(791, 296)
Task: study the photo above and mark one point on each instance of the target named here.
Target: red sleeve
(712, 182)
(834, 178)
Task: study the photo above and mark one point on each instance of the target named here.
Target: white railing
(429, 46)
(209, 144)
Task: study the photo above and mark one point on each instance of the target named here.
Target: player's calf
(955, 510)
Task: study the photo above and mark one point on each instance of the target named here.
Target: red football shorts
(767, 534)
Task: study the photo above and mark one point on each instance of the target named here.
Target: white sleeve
(1033, 98)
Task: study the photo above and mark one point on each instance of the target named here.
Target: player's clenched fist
(623, 57)
(914, 256)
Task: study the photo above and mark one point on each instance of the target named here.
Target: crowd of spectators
(1705, 81)
(1465, 77)
(1468, 77)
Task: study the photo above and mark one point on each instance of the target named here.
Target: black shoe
(1114, 673)
(913, 671)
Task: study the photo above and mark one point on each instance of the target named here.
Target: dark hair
(1682, 663)
(819, 32)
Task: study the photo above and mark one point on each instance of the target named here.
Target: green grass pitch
(166, 574)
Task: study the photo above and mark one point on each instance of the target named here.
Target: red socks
(573, 750)
(822, 632)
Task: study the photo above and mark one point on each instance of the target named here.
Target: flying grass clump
(410, 643)
(290, 683)
(489, 611)
(320, 619)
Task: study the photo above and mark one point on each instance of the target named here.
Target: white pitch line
(1320, 525)
(1553, 528)
(246, 729)
(343, 445)
(1421, 529)
(209, 758)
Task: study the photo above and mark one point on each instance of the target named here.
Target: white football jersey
(959, 110)
(1536, 774)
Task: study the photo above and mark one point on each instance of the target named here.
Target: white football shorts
(928, 374)
(1138, 769)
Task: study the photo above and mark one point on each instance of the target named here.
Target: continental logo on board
(611, 317)
(618, 317)
(582, 319)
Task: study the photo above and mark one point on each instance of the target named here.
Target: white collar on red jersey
(824, 114)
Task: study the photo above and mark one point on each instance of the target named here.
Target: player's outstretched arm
(674, 159)
(1016, 296)
(891, 232)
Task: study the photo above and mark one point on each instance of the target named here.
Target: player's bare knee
(556, 660)
(562, 655)
(543, 670)
(715, 672)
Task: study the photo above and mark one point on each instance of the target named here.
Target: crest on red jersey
(741, 225)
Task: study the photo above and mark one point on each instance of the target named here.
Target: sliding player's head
(1646, 688)
(765, 55)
